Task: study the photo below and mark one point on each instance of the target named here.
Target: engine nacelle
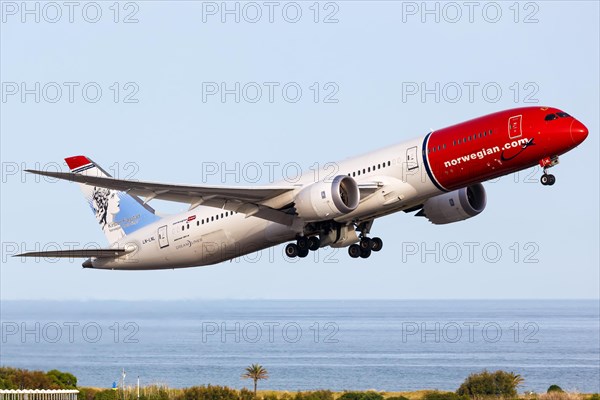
(455, 206)
(326, 200)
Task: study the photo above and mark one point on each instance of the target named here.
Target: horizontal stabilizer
(83, 253)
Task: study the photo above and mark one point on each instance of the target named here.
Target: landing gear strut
(548, 162)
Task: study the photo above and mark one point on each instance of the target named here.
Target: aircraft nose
(578, 132)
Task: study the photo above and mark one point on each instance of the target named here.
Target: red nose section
(578, 132)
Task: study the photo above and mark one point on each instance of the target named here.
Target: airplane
(437, 176)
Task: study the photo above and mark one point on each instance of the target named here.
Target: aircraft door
(515, 126)
(411, 159)
(163, 240)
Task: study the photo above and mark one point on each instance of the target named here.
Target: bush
(86, 394)
(14, 378)
(64, 380)
(316, 395)
(209, 393)
(435, 395)
(397, 398)
(106, 394)
(246, 394)
(499, 384)
(361, 396)
(554, 388)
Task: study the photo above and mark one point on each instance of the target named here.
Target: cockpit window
(550, 117)
(562, 114)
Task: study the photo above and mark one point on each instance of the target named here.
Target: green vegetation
(498, 385)
(361, 396)
(435, 395)
(315, 395)
(491, 384)
(14, 378)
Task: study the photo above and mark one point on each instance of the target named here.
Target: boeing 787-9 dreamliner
(437, 176)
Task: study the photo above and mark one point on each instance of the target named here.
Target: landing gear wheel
(291, 250)
(544, 180)
(302, 253)
(365, 253)
(365, 243)
(302, 243)
(548, 179)
(354, 251)
(376, 244)
(314, 243)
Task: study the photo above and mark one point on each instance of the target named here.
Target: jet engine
(455, 206)
(326, 200)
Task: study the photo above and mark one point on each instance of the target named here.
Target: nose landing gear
(548, 162)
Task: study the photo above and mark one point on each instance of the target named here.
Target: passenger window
(182, 227)
(202, 221)
(378, 166)
(354, 174)
(212, 218)
(358, 172)
(389, 163)
(198, 223)
(364, 171)
(188, 226)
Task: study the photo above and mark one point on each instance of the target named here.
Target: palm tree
(517, 379)
(255, 372)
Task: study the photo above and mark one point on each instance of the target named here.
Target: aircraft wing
(246, 200)
(83, 253)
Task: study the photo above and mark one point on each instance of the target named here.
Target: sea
(385, 345)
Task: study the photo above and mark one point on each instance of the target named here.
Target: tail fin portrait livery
(117, 212)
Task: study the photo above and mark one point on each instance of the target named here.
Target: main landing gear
(548, 162)
(302, 246)
(364, 248)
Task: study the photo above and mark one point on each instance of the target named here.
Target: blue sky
(156, 119)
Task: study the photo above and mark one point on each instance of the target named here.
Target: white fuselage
(207, 235)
